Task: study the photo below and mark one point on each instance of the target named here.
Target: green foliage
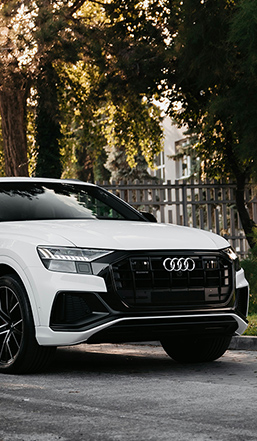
(82, 138)
(31, 136)
(134, 137)
(108, 72)
(129, 47)
(213, 76)
(104, 137)
(252, 326)
(250, 267)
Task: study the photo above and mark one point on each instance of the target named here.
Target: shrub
(250, 267)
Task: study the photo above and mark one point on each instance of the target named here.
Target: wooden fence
(208, 205)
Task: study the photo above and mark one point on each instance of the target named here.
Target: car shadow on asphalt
(105, 359)
(123, 359)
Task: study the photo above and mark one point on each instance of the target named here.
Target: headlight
(69, 260)
(233, 257)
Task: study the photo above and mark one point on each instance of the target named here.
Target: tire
(19, 351)
(196, 349)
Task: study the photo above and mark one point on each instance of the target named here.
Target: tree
(83, 140)
(13, 114)
(31, 31)
(212, 74)
(134, 137)
(128, 133)
(123, 40)
(106, 99)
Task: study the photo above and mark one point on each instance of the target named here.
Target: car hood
(119, 235)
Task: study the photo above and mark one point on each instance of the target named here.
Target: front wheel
(19, 350)
(196, 349)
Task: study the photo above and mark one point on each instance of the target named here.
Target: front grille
(143, 280)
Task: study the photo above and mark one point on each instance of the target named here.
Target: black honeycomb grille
(143, 280)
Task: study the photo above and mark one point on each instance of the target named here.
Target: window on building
(159, 172)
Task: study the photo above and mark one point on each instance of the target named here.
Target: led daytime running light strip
(72, 255)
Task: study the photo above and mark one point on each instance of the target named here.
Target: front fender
(21, 272)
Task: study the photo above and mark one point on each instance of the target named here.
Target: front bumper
(76, 308)
(119, 329)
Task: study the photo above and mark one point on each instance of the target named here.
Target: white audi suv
(78, 264)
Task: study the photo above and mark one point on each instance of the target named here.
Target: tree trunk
(241, 174)
(247, 223)
(86, 169)
(13, 116)
(48, 129)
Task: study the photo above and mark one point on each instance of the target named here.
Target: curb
(243, 343)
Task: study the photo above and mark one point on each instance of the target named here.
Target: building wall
(168, 169)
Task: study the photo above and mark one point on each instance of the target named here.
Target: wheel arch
(8, 269)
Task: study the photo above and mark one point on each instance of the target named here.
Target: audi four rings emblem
(179, 264)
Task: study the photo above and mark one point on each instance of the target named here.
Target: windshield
(46, 200)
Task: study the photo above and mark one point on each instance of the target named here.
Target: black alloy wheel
(19, 350)
(11, 326)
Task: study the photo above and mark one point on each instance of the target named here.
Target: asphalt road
(131, 393)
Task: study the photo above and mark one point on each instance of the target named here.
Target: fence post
(184, 202)
(193, 203)
(177, 203)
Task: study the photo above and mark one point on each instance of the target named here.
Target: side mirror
(149, 216)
